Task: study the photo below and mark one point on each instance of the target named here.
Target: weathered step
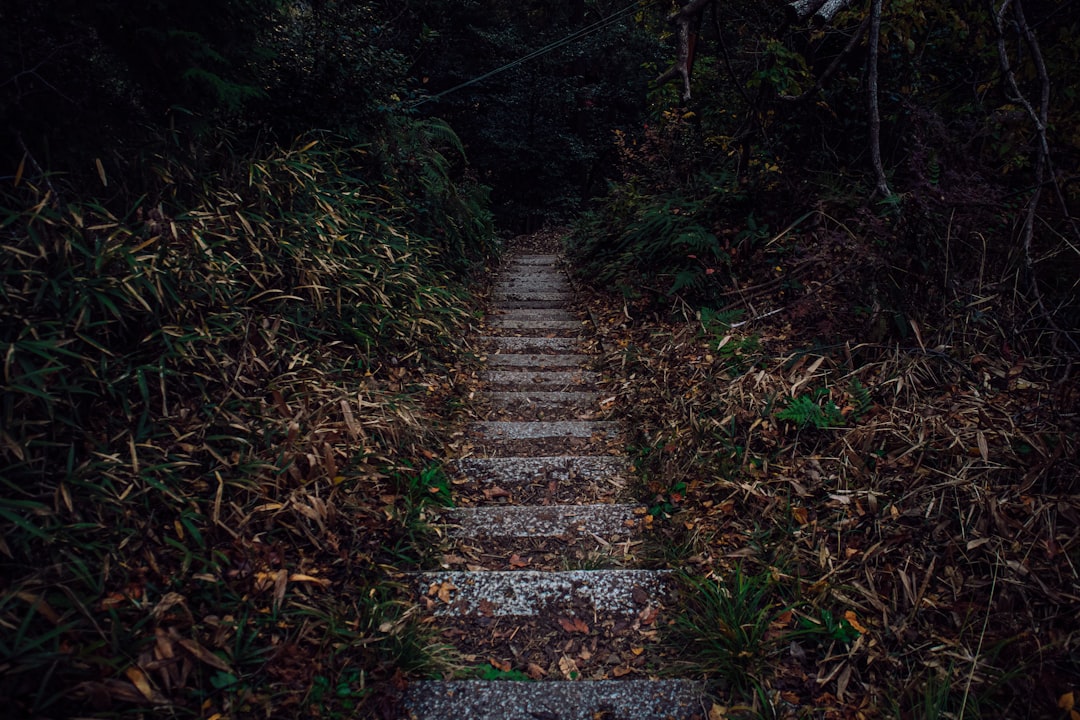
(533, 304)
(527, 379)
(510, 470)
(512, 295)
(536, 361)
(526, 430)
(533, 314)
(530, 344)
(526, 593)
(551, 280)
(540, 398)
(514, 700)
(526, 324)
(521, 521)
(531, 259)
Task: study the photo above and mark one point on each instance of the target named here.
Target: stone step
(535, 304)
(528, 379)
(541, 399)
(530, 344)
(548, 283)
(527, 593)
(510, 470)
(533, 314)
(526, 324)
(566, 298)
(535, 259)
(554, 700)
(542, 521)
(536, 361)
(525, 430)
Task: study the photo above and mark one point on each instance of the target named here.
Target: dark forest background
(216, 216)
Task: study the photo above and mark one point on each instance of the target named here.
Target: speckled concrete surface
(542, 378)
(502, 700)
(525, 593)
(528, 360)
(541, 521)
(541, 399)
(529, 430)
(506, 470)
(519, 344)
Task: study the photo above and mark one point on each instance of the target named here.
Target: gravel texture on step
(540, 399)
(535, 259)
(530, 344)
(533, 314)
(506, 470)
(526, 430)
(527, 304)
(526, 379)
(542, 284)
(565, 298)
(526, 593)
(554, 700)
(522, 521)
(520, 324)
(536, 361)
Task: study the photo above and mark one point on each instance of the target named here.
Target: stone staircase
(540, 580)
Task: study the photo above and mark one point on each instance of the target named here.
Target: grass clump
(207, 392)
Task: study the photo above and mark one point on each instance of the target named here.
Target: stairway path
(540, 576)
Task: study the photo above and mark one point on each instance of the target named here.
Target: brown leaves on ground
(936, 519)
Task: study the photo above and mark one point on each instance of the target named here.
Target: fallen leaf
(203, 655)
(1067, 701)
(574, 625)
(140, 681)
(621, 670)
(648, 615)
(442, 590)
(569, 668)
(504, 666)
(517, 562)
(717, 712)
(853, 621)
(534, 671)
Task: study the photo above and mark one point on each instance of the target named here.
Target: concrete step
(540, 399)
(542, 521)
(529, 379)
(506, 323)
(511, 470)
(527, 593)
(561, 304)
(536, 361)
(530, 344)
(526, 430)
(566, 298)
(552, 700)
(535, 259)
(533, 314)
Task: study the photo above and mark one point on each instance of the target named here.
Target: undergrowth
(210, 425)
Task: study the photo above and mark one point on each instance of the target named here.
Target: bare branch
(688, 14)
(803, 9)
(833, 66)
(872, 98)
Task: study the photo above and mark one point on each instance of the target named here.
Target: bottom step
(510, 700)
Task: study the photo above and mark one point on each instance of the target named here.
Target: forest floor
(869, 527)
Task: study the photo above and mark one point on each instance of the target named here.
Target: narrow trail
(541, 583)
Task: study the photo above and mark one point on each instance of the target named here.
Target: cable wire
(571, 38)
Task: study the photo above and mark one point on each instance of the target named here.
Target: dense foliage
(230, 278)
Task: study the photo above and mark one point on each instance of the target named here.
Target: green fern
(805, 412)
(860, 398)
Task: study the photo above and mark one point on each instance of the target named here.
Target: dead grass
(940, 516)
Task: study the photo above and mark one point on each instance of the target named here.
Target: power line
(572, 37)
